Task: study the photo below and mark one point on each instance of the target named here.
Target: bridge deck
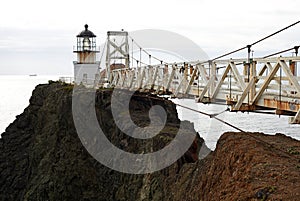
(246, 86)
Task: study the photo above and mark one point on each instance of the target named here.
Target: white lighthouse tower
(86, 68)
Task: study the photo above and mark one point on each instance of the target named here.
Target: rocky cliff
(42, 158)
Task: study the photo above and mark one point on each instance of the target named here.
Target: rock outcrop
(42, 158)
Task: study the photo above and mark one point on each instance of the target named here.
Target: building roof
(86, 33)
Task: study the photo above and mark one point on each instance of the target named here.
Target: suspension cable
(273, 34)
(249, 46)
(198, 111)
(139, 61)
(160, 60)
(210, 115)
(283, 51)
(224, 55)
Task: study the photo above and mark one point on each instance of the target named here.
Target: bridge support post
(253, 76)
(171, 77)
(165, 77)
(186, 71)
(213, 76)
(245, 72)
(166, 69)
(293, 67)
(191, 69)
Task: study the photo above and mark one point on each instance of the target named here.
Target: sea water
(16, 91)
(211, 129)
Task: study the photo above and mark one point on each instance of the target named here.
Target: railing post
(185, 71)
(213, 76)
(165, 77)
(166, 69)
(293, 67)
(191, 69)
(253, 76)
(245, 72)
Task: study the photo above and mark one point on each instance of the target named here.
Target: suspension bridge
(245, 84)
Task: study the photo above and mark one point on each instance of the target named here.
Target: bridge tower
(117, 52)
(86, 68)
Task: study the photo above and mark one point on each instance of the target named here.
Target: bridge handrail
(222, 61)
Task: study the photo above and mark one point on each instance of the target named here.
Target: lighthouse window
(86, 44)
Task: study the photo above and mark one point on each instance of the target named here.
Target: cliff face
(42, 158)
(253, 165)
(245, 166)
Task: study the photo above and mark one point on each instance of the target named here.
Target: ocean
(16, 91)
(211, 129)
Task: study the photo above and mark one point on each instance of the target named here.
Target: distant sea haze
(17, 89)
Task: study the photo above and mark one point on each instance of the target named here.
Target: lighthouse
(86, 68)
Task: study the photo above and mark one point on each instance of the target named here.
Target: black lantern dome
(86, 33)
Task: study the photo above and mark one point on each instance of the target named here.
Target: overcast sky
(38, 36)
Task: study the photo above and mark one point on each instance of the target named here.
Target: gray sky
(38, 36)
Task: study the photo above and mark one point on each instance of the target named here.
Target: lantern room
(86, 48)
